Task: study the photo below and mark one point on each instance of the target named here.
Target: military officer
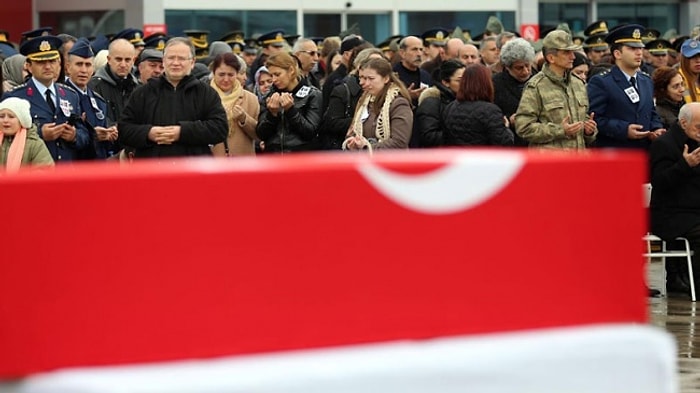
(553, 110)
(55, 107)
(622, 98)
(658, 49)
(80, 68)
(596, 48)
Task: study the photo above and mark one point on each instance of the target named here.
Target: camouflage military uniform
(547, 100)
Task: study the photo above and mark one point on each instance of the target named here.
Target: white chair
(664, 253)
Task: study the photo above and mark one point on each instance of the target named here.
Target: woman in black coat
(668, 92)
(429, 121)
(517, 56)
(473, 119)
(290, 118)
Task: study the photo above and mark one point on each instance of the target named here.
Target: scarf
(383, 129)
(12, 69)
(14, 155)
(229, 100)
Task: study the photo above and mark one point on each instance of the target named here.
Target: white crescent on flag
(470, 179)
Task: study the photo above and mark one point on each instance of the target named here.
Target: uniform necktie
(633, 82)
(49, 100)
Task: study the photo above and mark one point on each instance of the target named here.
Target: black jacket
(429, 121)
(675, 193)
(295, 129)
(334, 79)
(668, 111)
(193, 105)
(114, 90)
(338, 116)
(508, 91)
(475, 123)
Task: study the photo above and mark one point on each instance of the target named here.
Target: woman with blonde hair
(242, 107)
(20, 144)
(291, 114)
(690, 69)
(383, 118)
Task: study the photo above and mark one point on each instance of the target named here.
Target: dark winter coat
(193, 105)
(475, 123)
(429, 122)
(338, 116)
(508, 91)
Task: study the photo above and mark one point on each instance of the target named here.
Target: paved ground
(679, 317)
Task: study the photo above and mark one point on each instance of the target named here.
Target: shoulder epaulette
(66, 87)
(98, 95)
(19, 86)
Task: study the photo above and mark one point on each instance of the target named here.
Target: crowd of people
(129, 97)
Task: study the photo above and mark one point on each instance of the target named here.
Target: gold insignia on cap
(636, 34)
(279, 37)
(440, 36)
(137, 35)
(603, 25)
(161, 45)
(238, 37)
(44, 46)
(660, 45)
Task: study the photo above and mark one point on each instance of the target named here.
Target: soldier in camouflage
(553, 110)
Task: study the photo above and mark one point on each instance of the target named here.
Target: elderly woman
(429, 120)
(473, 119)
(20, 144)
(517, 56)
(668, 92)
(242, 107)
(383, 118)
(291, 114)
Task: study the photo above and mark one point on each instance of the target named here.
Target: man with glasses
(306, 51)
(175, 114)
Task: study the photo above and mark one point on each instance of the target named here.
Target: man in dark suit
(55, 107)
(675, 179)
(623, 98)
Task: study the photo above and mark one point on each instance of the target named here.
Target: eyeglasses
(181, 59)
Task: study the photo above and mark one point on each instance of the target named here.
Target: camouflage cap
(494, 25)
(559, 39)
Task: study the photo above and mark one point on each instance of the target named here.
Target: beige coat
(241, 138)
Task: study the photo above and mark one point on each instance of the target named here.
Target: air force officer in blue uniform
(622, 99)
(52, 104)
(80, 68)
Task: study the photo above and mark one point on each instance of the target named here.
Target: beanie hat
(20, 107)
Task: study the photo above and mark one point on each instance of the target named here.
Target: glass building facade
(375, 24)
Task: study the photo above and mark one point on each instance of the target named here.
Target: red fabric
(559, 246)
